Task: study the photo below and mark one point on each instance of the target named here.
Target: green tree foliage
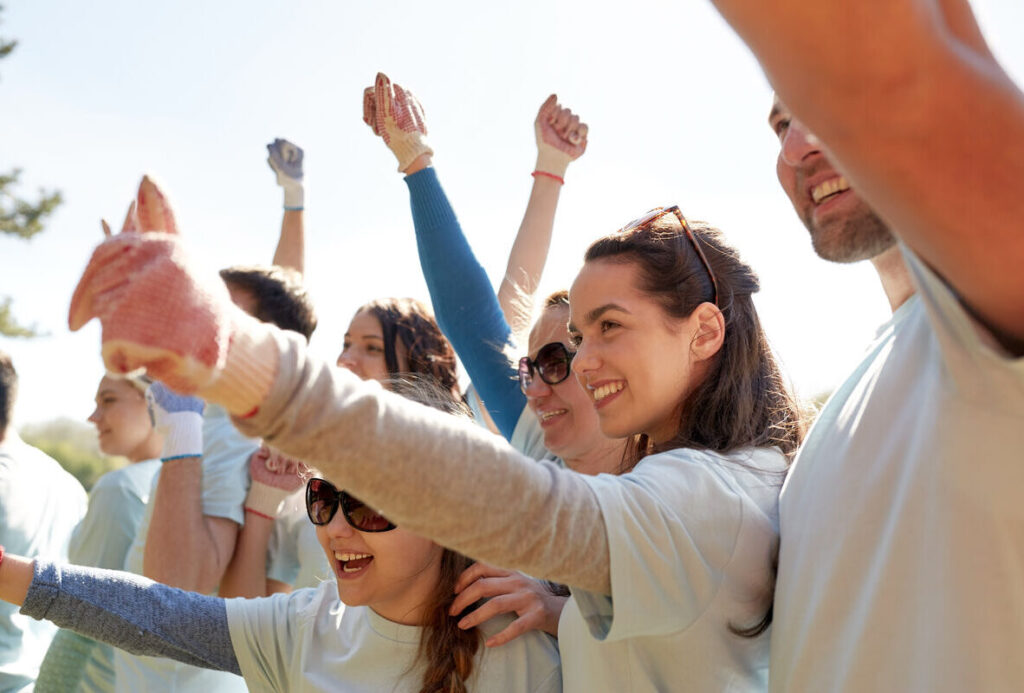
(73, 444)
(21, 218)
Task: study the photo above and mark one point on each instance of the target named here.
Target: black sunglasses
(552, 365)
(323, 499)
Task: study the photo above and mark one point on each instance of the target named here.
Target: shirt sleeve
(225, 466)
(432, 473)
(107, 531)
(979, 368)
(133, 613)
(464, 301)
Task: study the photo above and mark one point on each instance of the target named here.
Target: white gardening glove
(179, 419)
(561, 137)
(274, 478)
(285, 159)
(395, 115)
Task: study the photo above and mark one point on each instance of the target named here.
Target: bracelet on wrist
(552, 176)
(259, 514)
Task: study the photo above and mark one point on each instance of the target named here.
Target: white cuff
(183, 435)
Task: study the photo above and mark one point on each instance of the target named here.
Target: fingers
(383, 96)
(475, 572)
(487, 587)
(130, 221)
(152, 209)
(546, 108)
(106, 228)
(579, 135)
(504, 604)
(370, 109)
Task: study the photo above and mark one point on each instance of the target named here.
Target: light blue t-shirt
(40, 504)
(226, 455)
(310, 641)
(117, 503)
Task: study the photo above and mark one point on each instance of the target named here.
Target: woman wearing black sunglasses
(670, 564)
(384, 623)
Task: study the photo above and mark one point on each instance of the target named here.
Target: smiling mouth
(608, 389)
(546, 415)
(834, 186)
(353, 562)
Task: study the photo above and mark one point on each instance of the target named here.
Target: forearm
(246, 574)
(923, 121)
(291, 247)
(133, 613)
(182, 550)
(466, 307)
(529, 254)
(433, 474)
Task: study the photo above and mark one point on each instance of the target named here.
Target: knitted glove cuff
(249, 369)
(183, 435)
(552, 160)
(407, 147)
(265, 499)
(294, 194)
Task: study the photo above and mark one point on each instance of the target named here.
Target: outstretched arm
(431, 473)
(285, 160)
(122, 609)
(561, 139)
(914, 108)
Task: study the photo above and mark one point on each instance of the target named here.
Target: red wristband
(552, 176)
(257, 512)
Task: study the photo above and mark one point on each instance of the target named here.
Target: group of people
(647, 511)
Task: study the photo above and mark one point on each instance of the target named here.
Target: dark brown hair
(429, 352)
(281, 298)
(744, 401)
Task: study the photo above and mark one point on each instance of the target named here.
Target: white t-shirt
(902, 560)
(309, 641)
(226, 455)
(40, 504)
(692, 537)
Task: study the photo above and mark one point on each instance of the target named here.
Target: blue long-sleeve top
(465, 305)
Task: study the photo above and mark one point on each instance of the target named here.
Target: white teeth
(829, 187)
(609, 389)
(545, 415)
(343, 557)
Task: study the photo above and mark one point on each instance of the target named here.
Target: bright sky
(98, 93)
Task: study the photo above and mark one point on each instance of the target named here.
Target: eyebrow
(597, 313)
(348, 335)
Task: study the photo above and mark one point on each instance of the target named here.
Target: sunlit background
(97, 93)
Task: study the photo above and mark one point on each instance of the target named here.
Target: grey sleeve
(133, 613)
(434, 474)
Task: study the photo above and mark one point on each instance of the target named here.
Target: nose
(585, 361)
(347, 360)
(537, 387)
(94, 417)
(798, 143)
(339, 526)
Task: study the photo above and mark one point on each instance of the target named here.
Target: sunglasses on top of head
(323, 500)
(668, 212)
(552, 365)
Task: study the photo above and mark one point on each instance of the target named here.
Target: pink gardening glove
(155, 313)
(394, 114)
(274, 478)
(561, 137)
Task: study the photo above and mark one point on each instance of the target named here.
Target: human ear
(708, 331)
